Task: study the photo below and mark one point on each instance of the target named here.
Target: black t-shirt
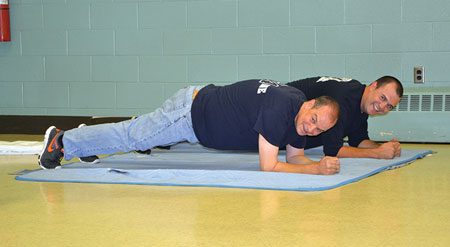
(352, 122)
(231, 117)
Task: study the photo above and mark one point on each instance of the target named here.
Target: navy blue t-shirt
(231, 117)
(352, 122)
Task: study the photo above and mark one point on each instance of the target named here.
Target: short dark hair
(390, 79)
(327, 101)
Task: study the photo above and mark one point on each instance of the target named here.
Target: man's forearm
(301, 164)
(296, 164)
(370, 149)
(353, 152)
(299, 160)
(310, 168)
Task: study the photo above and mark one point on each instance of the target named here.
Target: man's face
(312, 122)
(380, 100)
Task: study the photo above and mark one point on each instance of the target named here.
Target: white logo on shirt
(266, 84)
(327, 78)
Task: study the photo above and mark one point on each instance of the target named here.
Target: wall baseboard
(21, 124)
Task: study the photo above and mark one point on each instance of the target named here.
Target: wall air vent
(437, 102)
(424, 103)
(414, 102)
(447, 102)
(418, 117)
(403, 105)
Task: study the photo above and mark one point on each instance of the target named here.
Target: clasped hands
(390, 149)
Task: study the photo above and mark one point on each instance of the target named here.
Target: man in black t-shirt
(263, 115)
(259, 115)
(357, 102)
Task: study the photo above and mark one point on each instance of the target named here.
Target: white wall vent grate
(403, 105)
(424, 103)
(414, 102)
(447, 102)
(437, 102)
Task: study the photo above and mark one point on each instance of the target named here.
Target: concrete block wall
(124, 57)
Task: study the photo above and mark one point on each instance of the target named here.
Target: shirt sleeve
(299, 143)
(359, 134)
(270, 125)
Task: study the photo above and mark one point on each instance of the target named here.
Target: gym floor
(408, 206)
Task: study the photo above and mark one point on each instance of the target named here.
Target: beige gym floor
(409, 206)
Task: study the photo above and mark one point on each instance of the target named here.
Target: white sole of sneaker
(47, 134)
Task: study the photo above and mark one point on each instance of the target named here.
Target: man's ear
(374, 84)
(310, 103)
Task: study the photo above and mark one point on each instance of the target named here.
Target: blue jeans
(167, 125)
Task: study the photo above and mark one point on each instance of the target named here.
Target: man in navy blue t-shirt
(264, 115)
(259, 115)
(357, 102)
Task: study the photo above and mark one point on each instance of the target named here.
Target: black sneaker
(53, 150)
(88, 159)
(147, 152)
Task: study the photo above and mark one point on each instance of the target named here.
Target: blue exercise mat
(194, 165)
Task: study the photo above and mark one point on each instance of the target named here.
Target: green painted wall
(124, 57)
